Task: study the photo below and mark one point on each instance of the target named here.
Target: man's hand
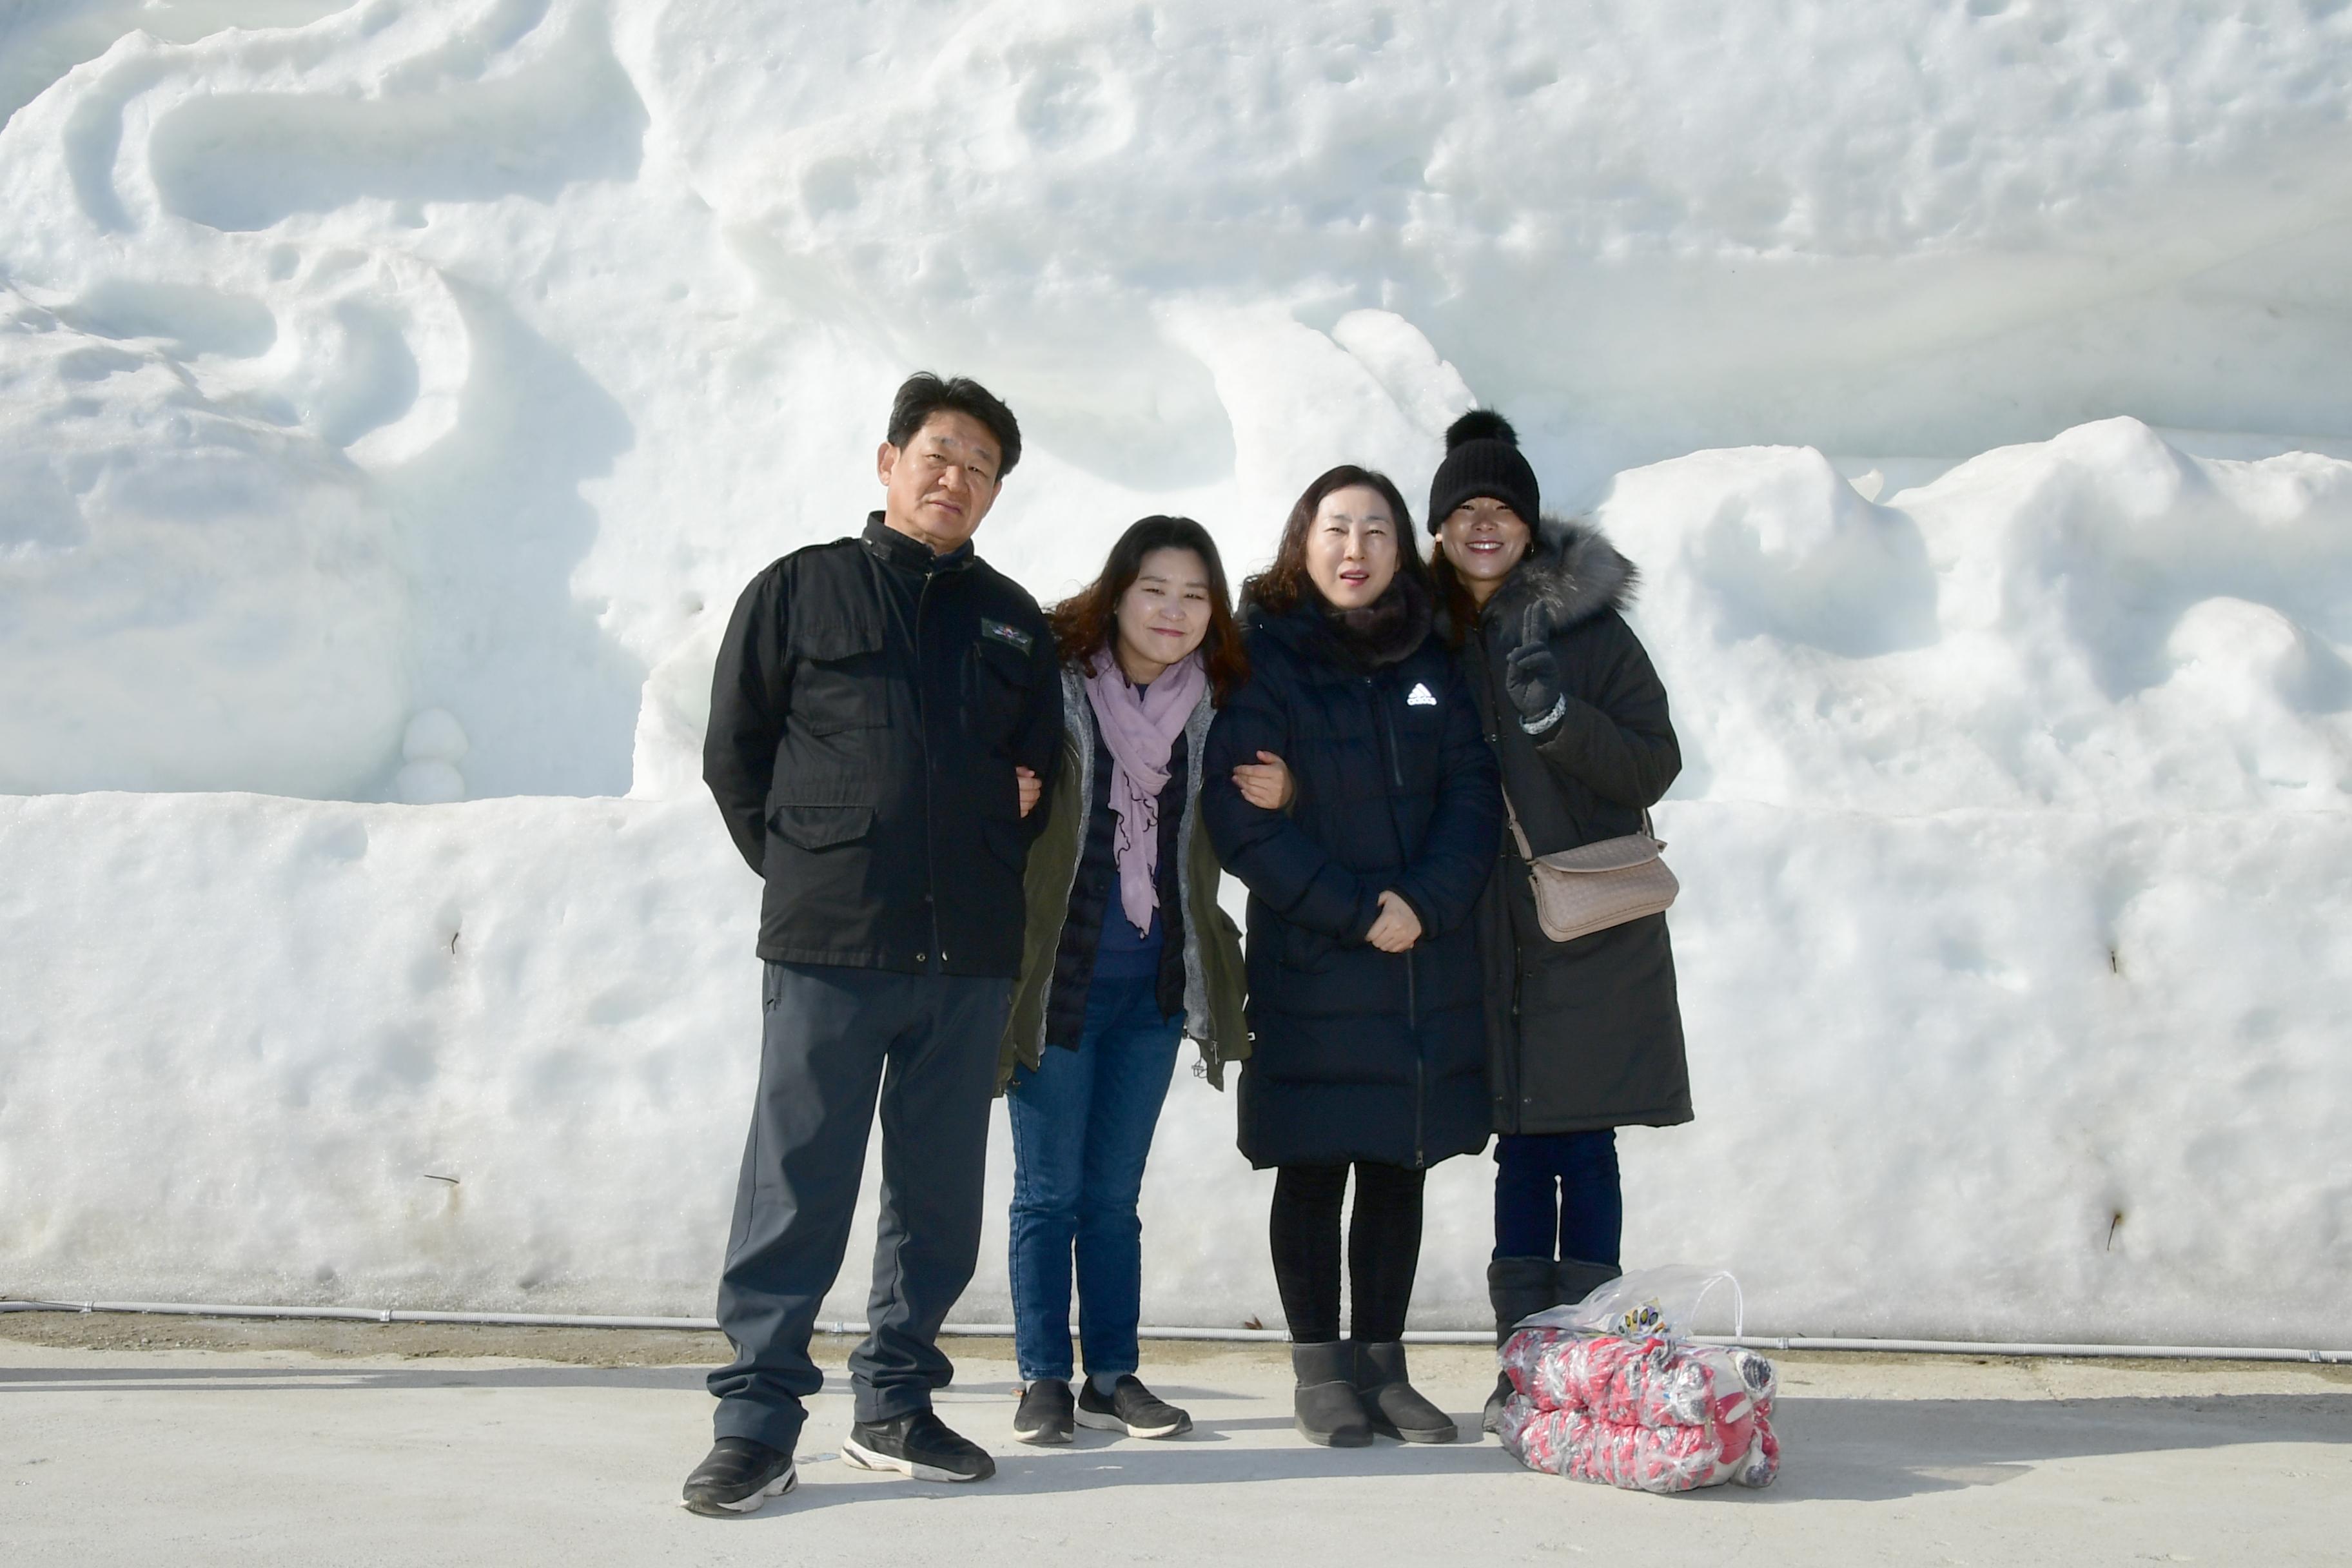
(1265, 783)
(1026, 781)
(1397, 929)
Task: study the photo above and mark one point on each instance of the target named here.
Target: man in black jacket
(884, 720)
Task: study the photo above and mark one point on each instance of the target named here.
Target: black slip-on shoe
(1131, 1409)
(736, 1477)
(917, 1445)
(1044, 1413)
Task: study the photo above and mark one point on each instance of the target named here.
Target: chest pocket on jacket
(997, 682)
(840, 683)
(840, 704)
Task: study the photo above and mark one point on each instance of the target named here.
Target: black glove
(1532, 677)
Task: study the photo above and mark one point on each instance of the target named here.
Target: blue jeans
(1559, 1187)
(1082, 1125)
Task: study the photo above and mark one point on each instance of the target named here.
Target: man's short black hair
(923, 394)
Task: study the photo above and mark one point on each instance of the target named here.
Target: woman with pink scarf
(1125, 951)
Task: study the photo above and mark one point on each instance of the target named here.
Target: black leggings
(1384, 1248)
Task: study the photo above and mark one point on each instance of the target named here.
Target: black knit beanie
(1482, 459)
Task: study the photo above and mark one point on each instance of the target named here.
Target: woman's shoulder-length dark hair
(1280, 586)
(1088, 620)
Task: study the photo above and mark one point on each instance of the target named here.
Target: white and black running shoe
(1045, 1411)
(1131, 1409)
(918, 1445)
(737, 1476)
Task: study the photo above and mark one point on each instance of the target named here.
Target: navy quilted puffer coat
(1358, 1054)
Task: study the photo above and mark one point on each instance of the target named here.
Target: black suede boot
(1328, 1410)
(1573, 1279)
(1392, 1405)
(1517, 1288)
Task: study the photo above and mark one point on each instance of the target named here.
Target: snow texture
(395, 395)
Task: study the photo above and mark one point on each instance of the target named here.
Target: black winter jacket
(1585, 1034)
(870, 703)
(1358, 1054)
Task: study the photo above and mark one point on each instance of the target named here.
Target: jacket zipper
(1412, 1001)
(1419, 1066)
(1388, 733)
(930, 766)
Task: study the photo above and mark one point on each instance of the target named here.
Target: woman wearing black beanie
(1583, 1037)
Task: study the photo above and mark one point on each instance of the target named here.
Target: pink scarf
(1140, 730)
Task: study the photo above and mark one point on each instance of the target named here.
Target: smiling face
(1163, 615)
(1485, 541)
(939, 485)
(1351, 547)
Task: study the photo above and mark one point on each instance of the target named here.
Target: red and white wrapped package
(1648, 1381)
(1583, 1448)
(1651, 1413)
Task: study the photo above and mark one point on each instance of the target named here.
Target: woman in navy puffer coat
(1365, 1003)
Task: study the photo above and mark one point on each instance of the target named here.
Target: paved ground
(140, 1440)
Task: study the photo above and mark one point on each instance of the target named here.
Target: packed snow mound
(189, 599)
(2002, 1075)
(2100, 622)
(243, 200)
(395, 393)
(600, 304)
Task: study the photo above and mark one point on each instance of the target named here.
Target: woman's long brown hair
(1280, 586)
(1088, 620)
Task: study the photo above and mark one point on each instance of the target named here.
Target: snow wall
(395, 395)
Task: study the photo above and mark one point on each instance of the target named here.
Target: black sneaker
(1132, 1409)
(918, 1445)
(737, 1476)
(1045, 1413)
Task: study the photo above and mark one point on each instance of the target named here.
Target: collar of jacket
(1569, 574)
(1386, 631)
(895, 549)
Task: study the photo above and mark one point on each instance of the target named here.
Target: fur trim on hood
(1571, 574)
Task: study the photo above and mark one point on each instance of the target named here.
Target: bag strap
(1511, 815)
(1519, 835)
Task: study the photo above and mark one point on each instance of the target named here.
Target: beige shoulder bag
(1596, 886)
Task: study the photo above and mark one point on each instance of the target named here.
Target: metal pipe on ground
(1268, 1336)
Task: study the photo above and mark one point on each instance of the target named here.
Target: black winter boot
(1393, 1406)
(1573, 1279)
(1328, 1411)
(1517, 1288)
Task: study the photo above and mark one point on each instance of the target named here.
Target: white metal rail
(1268, 1336)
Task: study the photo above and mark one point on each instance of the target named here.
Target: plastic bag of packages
(1650, 1303)
(1612, 1390)
(1583, 1448)
(1643, 1383)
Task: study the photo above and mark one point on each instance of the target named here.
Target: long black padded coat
(1358, 1054)
(1586, 1034)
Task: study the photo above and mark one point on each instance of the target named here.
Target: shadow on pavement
(1862, 1450)
(1875, 1450)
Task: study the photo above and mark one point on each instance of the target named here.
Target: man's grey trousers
(834, 1036)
